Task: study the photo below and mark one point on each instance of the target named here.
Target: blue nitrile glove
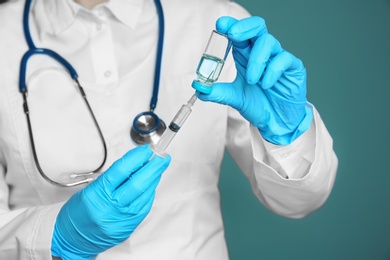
(270, 86)
(107, 211)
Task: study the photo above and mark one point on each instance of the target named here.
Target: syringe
(175, 125)
(208, 71)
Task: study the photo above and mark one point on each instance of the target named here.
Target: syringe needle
(175, 125)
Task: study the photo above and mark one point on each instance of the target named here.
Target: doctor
(142, 207)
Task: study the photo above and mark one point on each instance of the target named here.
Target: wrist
(61, 249)
(279, 135)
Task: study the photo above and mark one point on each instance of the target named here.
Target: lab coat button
(99, 26)
(107, 74)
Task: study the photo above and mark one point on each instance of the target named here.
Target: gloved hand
(270, 86)
(108, 210)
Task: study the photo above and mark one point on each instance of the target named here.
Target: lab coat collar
(126, 11)
(61, 13)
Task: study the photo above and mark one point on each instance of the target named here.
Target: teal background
(344, 45)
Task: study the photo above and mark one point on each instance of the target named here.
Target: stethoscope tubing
(33, 50)
(53, 54)
(160, 43)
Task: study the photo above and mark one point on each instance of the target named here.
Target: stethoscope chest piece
(147, 128)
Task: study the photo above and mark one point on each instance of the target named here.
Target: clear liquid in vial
(209, 69)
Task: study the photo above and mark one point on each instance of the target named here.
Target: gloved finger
(277, 66)
(223, 93)
(265, 47)
(247, 28)
(146, 177)
(241, 59)
(144, 202)
(125, 166)
(140, 194)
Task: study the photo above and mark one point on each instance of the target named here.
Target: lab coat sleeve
(309, 162)
(25, 233)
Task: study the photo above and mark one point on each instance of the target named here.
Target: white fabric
(113, 49)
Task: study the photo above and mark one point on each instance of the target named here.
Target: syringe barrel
(183, 113)
(175, 125)
(181, 116)
(162, 144)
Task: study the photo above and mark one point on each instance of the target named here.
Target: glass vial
(211, 62)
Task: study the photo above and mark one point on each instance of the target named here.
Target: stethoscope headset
(147, 126)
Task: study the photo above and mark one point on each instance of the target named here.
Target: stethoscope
(147, 126)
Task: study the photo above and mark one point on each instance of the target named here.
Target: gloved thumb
(224, 23)
(241, 31)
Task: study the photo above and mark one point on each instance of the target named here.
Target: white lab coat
(185, 221)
